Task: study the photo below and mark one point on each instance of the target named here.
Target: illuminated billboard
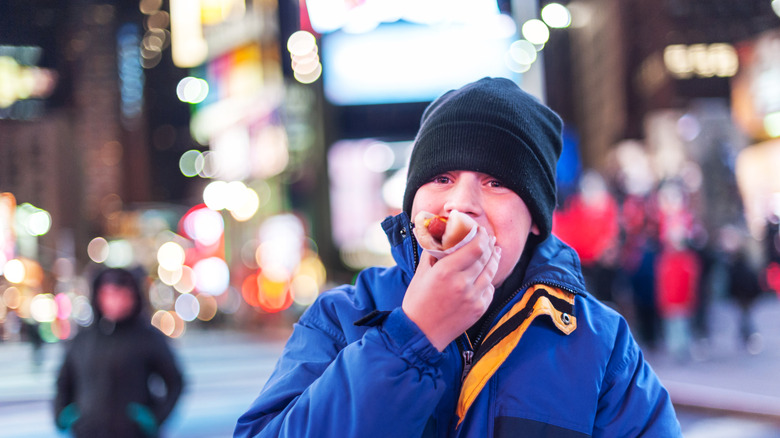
(377, 53)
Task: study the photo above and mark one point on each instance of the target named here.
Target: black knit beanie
(491, 126)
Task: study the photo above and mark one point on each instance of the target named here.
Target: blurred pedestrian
(31, 333)
(677, 286)
(588, 222)
(497, 337)
(119, 377)
(642, 278)
(744, 288)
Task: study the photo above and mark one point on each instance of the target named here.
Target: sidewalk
(722, 375)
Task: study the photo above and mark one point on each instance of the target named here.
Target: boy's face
(492, 205)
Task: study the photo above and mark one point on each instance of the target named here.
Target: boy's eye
(495, 183)
(441, 179)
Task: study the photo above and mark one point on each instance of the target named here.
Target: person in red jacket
(677, 282)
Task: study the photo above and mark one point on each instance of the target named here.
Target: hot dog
(440, 233)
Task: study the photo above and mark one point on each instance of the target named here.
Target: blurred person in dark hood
(119, 377)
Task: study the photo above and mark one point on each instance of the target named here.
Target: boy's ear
(535, 229)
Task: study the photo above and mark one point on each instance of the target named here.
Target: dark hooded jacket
(118, 379)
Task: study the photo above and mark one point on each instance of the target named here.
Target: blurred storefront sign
(23, 84)
(701, 60)
(756, 88)
(756, 109)
(259, 133)
(759, 183)
(7, 236)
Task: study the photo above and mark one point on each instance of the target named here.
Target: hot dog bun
(458, 226)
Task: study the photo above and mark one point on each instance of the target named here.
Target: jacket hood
(121, 277)
(553, 263)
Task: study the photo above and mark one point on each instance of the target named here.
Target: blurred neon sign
(362, 16)
(701, 60)
(20, 77)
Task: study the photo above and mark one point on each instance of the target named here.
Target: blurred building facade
(133, 123)
(662, 75)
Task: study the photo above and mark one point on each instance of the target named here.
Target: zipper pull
(468, 358)
(468, 355)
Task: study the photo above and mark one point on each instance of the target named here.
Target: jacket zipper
(415, 254)
(489, 321)
(468, 356)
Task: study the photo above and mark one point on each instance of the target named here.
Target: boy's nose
(464, 197)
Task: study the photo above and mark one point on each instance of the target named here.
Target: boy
(498, 338)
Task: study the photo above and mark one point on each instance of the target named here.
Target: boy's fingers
(473, 256)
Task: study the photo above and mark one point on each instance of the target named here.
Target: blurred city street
(239, 157)
(723, 391)
(224, 372)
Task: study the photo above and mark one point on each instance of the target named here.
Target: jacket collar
(403, 245)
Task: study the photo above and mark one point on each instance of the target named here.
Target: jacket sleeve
(633, 402)
(164, 365)
(387, 382)
(64, 386)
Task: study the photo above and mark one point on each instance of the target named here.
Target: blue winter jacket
(558, 364)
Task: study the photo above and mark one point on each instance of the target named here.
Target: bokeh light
(535, 31)
(207, 307)
(772, 124)
(306, 65)
(169, 277)
(274, 295)
(187, 306)
(120, 254)
(39, 223)
(282, 240)
(186, 282)
(64, 306)
(311, 266)
(149, 7)
(43, 308)
(14, 271)
(265, 293)
(161, 296)
(250, 203)
(191, 163)
(212, 276)
(379, 157)
(215, 195)
(192, 90)
(520, 56)
(169, 323)
(556, 15)
(97, 249)
(170, 256)
(203, 225)
(62, 329)
(82, 311)
(12, 297)
(304, 289)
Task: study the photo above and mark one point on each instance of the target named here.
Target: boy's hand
(447, 296)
